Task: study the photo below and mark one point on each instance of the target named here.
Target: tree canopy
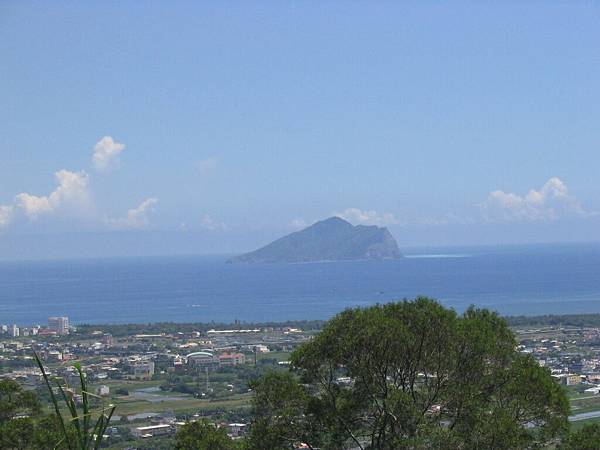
(15, 401)
(203, 435)
(411, 374)
(21, 424)
(586, 438)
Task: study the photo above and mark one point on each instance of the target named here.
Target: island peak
(332, 239)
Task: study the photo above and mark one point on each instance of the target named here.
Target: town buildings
(203, 360)
(152, 430)
(60, 325)
(143, 370)
(231, 359)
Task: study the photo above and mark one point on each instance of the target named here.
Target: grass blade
(86, 407)
(74, 415)
(54, 401)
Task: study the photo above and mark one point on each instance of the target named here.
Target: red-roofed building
(232, 359)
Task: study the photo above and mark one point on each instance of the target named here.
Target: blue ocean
(515, 280)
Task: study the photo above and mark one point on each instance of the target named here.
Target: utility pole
(207, 385)
(198, 382)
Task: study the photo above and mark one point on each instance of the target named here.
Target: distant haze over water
(531, 280)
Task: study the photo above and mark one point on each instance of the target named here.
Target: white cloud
(551, 202)
(33, 206)
(208, 165)
(298, 223)
(208, 223)
(136, 218)
(367, 217)
(6, 215)
(106, 153)
(71, 193)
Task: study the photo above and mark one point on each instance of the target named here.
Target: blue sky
(453, 123)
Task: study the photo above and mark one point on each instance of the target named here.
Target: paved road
(584, 398)
(584, 416)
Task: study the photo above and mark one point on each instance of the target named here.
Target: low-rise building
(231, 359)
(54, 355)
(260, 348)
(236, 429)
(103, 391)
(202, 360)
(568, 378)
(143, 370)
(152, 430)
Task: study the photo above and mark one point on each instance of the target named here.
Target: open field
(151, 402)
(279, 356)
(183, 406)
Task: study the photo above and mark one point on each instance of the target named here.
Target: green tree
(21, 424)
(48, 434)
(17, 434)
(586, 438)
(202, 435)
(279, 412)
(15, 401)
(18, 407)
(411, 374)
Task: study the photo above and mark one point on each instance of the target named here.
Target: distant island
(333, 239)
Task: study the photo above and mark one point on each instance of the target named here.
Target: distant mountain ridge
(332, 239)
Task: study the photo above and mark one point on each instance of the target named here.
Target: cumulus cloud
(106, 153)
(136, 218)
(6, 215)
(367, 217)
(551, 202)
(208, 165)
(71, 193)
(210, 224)
(72, 196)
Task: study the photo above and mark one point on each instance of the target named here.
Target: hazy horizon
(123, 244)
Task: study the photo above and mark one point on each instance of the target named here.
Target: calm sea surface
(557, 279)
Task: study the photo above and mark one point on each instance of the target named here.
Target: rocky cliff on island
(333, 239)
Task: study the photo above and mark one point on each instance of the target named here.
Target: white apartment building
(59, 324)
